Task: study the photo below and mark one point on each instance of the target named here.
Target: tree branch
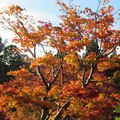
(86, 81)
(57, 73)
(43, 79)
(61, 110)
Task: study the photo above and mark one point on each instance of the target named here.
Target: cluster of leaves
(62, 83)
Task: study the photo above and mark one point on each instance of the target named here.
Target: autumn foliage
(74, 71)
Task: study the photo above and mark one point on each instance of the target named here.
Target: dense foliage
(10, 59)
(64, 83)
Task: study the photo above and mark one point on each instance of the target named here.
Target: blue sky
(47, 10)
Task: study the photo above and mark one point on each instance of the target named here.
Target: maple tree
(60, 82)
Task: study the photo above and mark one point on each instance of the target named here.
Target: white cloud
(6, 35)
(45, 17)
(2, 4)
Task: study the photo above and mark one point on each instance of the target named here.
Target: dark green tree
(10, 59)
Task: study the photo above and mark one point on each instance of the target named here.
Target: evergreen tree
(10, 59)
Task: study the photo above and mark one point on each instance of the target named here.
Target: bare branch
(86, 81)
(103, 54)
(90, 76)
(57, 73)
(45, 52)
(83, 78)
(60, 112)
(43, 78)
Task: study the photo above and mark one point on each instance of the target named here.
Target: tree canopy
(63, 83)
